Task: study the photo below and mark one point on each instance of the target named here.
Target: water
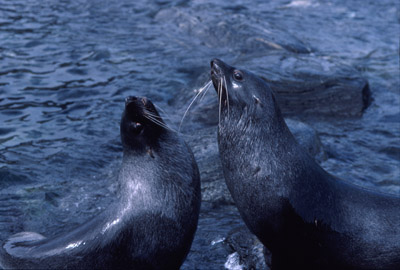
(66, 67)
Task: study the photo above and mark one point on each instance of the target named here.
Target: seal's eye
(135, 127)
(238, 75)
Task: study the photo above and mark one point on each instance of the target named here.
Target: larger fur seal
(152, 224)
(307, 218)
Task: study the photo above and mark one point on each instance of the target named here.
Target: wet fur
(308, 218)
(152, 224)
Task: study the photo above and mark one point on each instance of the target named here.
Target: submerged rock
(205, 149)
(308, 138)
(246, 251)
(9, 178)
(314, 85)
(305, 86)
(232, 31)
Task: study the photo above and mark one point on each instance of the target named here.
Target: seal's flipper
(22, 241)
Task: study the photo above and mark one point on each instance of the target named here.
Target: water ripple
(66, 66)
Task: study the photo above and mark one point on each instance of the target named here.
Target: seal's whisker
(220, 99)
(162, 125)
(157, 121)
(165, 114)
(199, 91)
(187, 109)
(205, 91)
(154, 115)
(207, 85)
(227, 96)
(153, 118)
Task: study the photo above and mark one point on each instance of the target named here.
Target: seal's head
(241, 91)
(141, 124)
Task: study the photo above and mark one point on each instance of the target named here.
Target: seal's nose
(130, 99)
(219, 67)
(216, 67)
(216, 63)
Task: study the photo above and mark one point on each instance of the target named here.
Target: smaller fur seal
(306, 217)
(151, 225)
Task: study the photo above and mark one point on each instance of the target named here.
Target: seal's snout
(214, 61)
(217, 72)
(138, 101)
(216, 65)
(218, 69)
(130, 99)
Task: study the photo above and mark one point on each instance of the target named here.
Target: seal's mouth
(219, 80)
(217, 76)
(141, 111)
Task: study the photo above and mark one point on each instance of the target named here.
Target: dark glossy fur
(307, 218)
(152, 224)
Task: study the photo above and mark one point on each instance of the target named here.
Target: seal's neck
(259, 148)
(137, 176)
(149, 180)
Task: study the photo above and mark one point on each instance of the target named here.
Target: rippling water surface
(66, 67)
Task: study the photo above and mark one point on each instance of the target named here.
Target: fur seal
(306, 217)
(153, 222)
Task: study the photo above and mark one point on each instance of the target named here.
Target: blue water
(66, 67)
